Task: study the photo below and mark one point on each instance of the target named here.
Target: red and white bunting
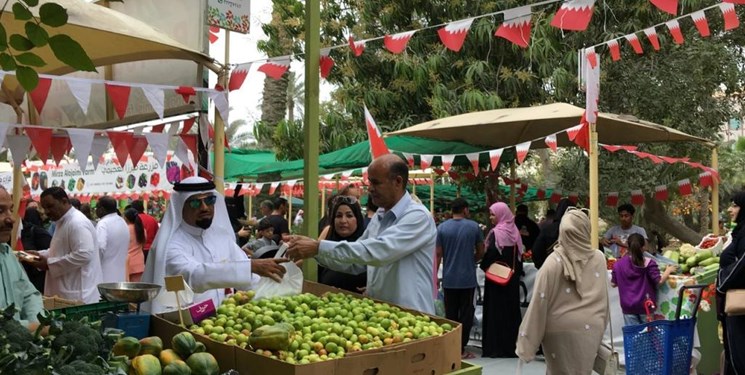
(119, 96)
(730, 16)
(669, 6)
(551, 142)
(220, 98)
(612, 199)
(425, 161)
(182, 150)
(684, 187)
(555, 196)
(40, 93)
(137, 149)
(396, 43)
(206, 132)
(121, 142)
(611, 148)
(186, 93)
(188, 123)
(273, 187)
(741, 2)
(615, 49)
(156, 97)
(159, 144)
(19, 146)
(660, 192)
(409, 159)
(454, 34)
(213, 34)
(377, 145)
(573, 132)
(591, 56)
(573, 197)
(540, 194)
(357, 47)
(238, 76)
(474, 159)
(81, 90)
(494, 156)
(326, 63)
(674, 28)
(574, 15)
(637, 197)
(59, 146)
(275, 67)
(522, 151)
(516, 26)
(635, 43)
(447, 161)
(651, 34)
(99, 145)
(41, 138)
(702, 25)
(705, 179)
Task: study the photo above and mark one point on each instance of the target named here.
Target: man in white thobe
(72, 260)
(112, 234)
(196, 240)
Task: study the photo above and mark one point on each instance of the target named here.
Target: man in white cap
(196, 240)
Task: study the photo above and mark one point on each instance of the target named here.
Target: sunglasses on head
(346, 199)
(196, 203)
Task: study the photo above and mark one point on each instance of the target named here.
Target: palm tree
(295, 96)
(237, 134)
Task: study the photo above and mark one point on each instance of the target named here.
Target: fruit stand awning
(511, 126)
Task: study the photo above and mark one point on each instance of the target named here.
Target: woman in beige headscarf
(568, 312)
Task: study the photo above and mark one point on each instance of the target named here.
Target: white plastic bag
(292, 282)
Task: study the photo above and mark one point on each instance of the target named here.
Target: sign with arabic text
(233, 15)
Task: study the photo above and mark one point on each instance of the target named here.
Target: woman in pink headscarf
(502, 317)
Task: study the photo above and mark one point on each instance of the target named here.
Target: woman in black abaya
(732, 276)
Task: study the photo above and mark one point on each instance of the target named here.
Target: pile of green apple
(326, 327)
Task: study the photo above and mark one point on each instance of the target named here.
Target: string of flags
(572, 15)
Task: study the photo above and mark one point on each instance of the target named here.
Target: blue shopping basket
(662, 347)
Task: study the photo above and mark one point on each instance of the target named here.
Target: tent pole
(413, 186)
(323, 201)
(594, 195)
(715, 193)
(513, 177)
(17, 175)
(289, 211)
(312, 128)
(432, 193)
(250, 206)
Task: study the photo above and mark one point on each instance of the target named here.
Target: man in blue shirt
(397, 248)
(460, 244)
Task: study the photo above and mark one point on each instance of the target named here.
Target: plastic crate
(93, 311)
(660, 347)
(467, 369)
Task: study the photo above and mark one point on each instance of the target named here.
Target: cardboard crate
(53, 303)
(431, 356)
(468, 369)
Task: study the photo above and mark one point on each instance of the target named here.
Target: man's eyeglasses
(196, 203)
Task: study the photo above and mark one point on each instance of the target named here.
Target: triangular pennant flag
(156, 97)
(684, 187)
(357, 47)
(273, 187)
(220, 98)
(41, 138)
(555, 196)
(702, 25)
(81, 90)
(522, 151)
(137, 149)
(615, 49)
(611, 199)
(213, 34)
(238, 76)
(99, 145)
(705, 179)
(447, 161)
(524, 188)
(474, 159)
(454, 34)
(159, 144)
(409, 159)
(582, 137)
(275, 67)
(182, 150)
(59, 147)
(326, 62)
(674, 28)
(425, 161)
(190, 141)
(573, 131)
(573, 198)
(637, 197)
(121, 142)
(119, 96)
(540, 194)
(3, 127)
(592, 57)
(516, 26)
(629, 148)
(40, 93)
(669, 160)
(635, 44)
(730, 17)
(611, 148)
(551, 142)
(651, 34)
(188, 123)
(592, 92)
(19, 146)
(669, 6)
(377, 145)
(159, 128)
(186, 92)
(494, 156)
(574, 15)
(660, 192)
(396, 43)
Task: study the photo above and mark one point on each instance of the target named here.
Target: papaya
(168, 356)
(200, 347)
(128, 346)
(275, 337)
(184, 344)
(151, 345)
(177, 368)
(146, 364)
(203, 364)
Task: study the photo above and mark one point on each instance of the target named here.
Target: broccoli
(86, 342)
(15, 335)
(80, 367)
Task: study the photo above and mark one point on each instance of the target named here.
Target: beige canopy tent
(511, 126)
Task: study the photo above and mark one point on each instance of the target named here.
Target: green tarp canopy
(246, 165)
(445, 194)
(245, 162)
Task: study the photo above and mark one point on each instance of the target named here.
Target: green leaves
(31, 59)
(27, 77)
(21, 12)
(52, 14)
(36, 34)
(20, 43)
(3, 38)
(31, 3)
(70, 52)
(7, 62)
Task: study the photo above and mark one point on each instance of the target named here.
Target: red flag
(612, 199)
(494, 156)
(674, 28)
(40, 93)
(522, 151)
(454, 34)
(275, 67)
(699, 18)
(637, 197)
(592, 57)
(447, 161)
(273, 187)
(41, 138)
(159, 128)
(705, 179)
(186, 92)
(326, 62)
(357, 47)
(574, 15)
(190, 140)
(651, 34)
(121, 141)
(119, 96)
(474, 159)
(730, 17)
(516, 26)
(238, 76)
(188, 123)
(574, 198)
(660, 192)
(611, 148)
(409, 159)
(377, 145)
(396, 43)
(669, 6)
(59, 146)
(137, 149)
(540, 194)
(555, 196)
(580, 134)
(551, 142)
(684, 187)
(635, 44)
(615, 49)
(213, 34)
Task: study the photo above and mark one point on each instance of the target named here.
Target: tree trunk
(703, 212)
(274, 103)
(655, 212)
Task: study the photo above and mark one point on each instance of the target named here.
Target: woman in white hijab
(568, 312)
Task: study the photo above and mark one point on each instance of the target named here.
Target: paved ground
(499, 366)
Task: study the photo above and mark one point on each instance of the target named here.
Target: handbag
(734, 304)
(500, 273)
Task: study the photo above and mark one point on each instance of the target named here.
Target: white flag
(204, 131)
(182, 152)
(19, 146)
(82, 141)
(159, 144)
(81, 90)
(220, 98)
(100, 145)
(156, 97)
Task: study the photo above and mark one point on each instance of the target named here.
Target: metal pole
(594, 195)
(219, 147)
(715, 193)
(323, 201)
(513, 177)
(432, 193)
(289, 211)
